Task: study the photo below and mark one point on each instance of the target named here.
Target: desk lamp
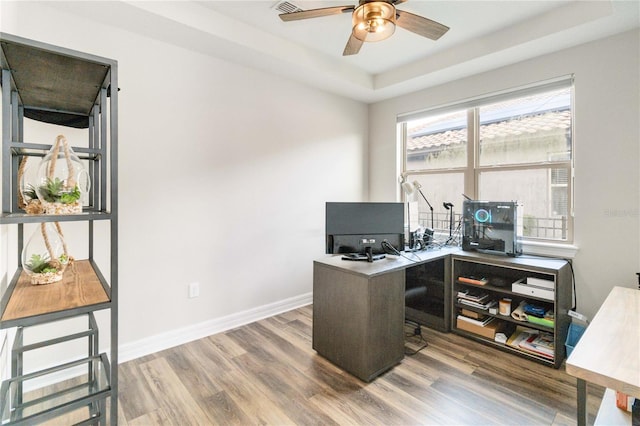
(410, 189)
(423, 238)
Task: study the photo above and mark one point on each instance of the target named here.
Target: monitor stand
(362, 257)
(368, 256)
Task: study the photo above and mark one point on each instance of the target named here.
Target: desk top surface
(388, 264)
(393, 263)
(608, 353)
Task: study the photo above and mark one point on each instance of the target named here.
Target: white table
(608, 353)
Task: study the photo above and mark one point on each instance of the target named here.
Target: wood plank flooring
(267, 373)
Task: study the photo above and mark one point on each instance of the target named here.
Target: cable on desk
(455, 234)
(389, 249)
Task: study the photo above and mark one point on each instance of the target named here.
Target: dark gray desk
(358, 310)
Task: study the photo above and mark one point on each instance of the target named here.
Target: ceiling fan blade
(420, 25)
(315, 13)
(353, 46)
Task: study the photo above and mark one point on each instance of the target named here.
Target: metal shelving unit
(63, 87)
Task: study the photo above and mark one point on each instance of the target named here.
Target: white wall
(224, 172)
(607, 142)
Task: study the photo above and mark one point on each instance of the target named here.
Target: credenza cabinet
(481, 283)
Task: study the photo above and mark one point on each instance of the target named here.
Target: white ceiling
(483, 35)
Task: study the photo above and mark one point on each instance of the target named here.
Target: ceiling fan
(374, 20)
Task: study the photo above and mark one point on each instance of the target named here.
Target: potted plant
(43, 270)
(61, 181)
(57, 186)
(57, 196)
(44, 258)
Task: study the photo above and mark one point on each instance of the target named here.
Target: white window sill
(565, 251)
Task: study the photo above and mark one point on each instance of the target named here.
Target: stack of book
(480, 322)
(476, 299)
(477, 323)
(473, 280)
(534, 342)
(473, 321)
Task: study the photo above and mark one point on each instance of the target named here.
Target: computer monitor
(361, 227)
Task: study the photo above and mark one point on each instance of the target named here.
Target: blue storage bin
(574, 334)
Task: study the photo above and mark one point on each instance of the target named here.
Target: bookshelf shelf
(505, 318)
(80, 289)
(504, 291)
(504, 347)
(8, 218)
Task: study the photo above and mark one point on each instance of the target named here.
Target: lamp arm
(425, 199)
(430, 206)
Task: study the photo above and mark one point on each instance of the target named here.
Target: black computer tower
(492, 227)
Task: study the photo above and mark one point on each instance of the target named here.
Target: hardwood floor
(267, 373)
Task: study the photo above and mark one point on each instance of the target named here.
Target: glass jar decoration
(27, 178)
(62, 180)
(45, 257)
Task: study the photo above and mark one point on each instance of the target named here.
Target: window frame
(473, 169)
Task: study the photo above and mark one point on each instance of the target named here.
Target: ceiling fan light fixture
(374, 21)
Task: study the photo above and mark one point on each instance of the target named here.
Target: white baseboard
(172, 338)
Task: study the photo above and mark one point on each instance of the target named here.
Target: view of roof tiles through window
(450, 129)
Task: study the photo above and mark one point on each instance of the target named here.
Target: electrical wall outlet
(194, 290)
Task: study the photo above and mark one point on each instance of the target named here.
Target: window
(515, 146)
